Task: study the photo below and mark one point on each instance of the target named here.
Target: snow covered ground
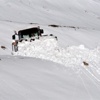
(47, 48)
(48, 69)
(30, 78)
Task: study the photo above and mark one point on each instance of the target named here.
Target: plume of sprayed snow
(48, 49)
(73, 56)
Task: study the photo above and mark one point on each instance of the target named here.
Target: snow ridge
(73, 56)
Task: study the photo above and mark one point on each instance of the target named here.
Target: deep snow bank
(23, 78)
(48, 48)
(74, 56)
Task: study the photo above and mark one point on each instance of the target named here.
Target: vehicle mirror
(13, 37)
(41, 31)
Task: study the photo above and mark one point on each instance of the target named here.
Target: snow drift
(73, 56)
(49, 49)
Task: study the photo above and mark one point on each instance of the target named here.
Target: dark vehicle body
(30, 32)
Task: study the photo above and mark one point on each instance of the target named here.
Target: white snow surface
(48, 48)
(47, 69)
(73, 57)
(23, 78)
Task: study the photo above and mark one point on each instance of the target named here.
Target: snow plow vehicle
(28, 35)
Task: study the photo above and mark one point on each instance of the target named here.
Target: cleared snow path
(74, 56)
